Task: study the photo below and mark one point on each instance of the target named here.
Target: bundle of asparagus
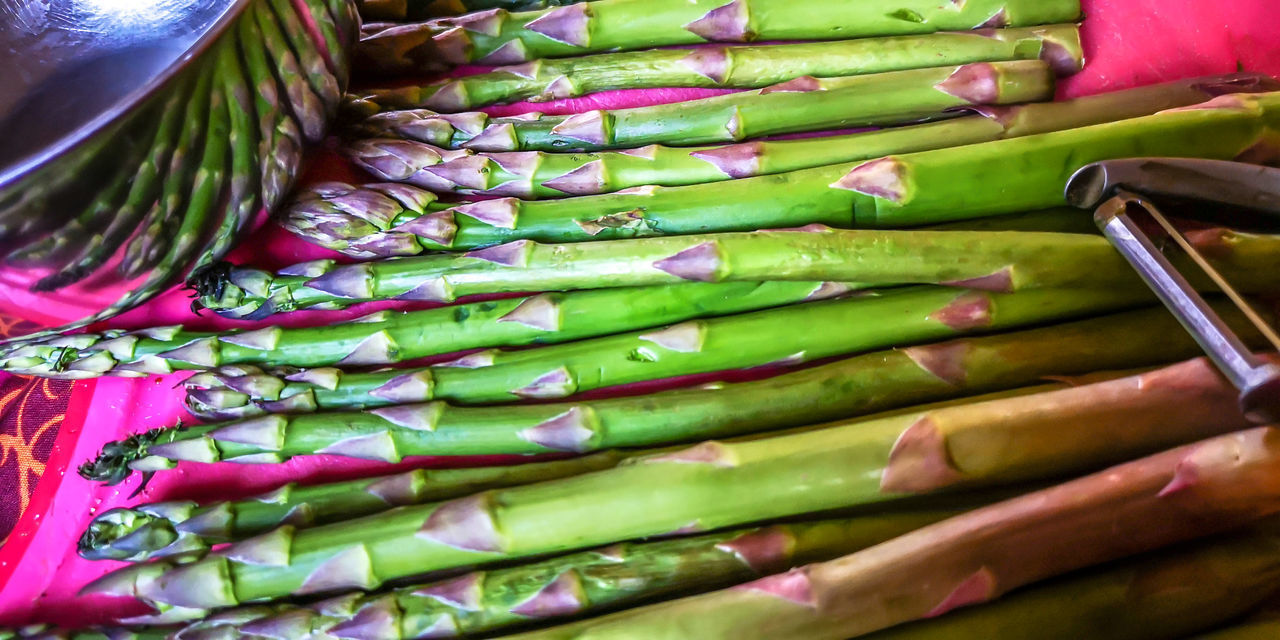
(178, 528)
(975, 557)
(541, 174)
(742, 67)
(720, 484)
(995, 261)
(497, 36)
(686, 260)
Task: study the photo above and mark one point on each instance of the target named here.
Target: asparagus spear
(313, 64)
(416, 334)
(585, 582)
(1177, 495)
(281, 150)
(803, 104)
(746, 67)
(309, 109)
(535, 174)
(365, 222)
(1156, 596)
(743, 341)
(500, 37)
(715, 485)
(918, 188)
(1001, 261)
(357, 220)
(168, 528)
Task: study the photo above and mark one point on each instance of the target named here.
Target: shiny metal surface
(145, 137)
(68, 68)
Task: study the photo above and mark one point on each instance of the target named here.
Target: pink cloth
(1128, 43)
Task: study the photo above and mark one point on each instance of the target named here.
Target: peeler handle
(1257, 378)
(1233, 184)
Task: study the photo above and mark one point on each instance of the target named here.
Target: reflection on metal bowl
(144, 137)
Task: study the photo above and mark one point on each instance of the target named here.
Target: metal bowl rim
(24, 168)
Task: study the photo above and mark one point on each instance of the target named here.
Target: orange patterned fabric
(31, 410)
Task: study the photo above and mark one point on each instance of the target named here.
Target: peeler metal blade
(1121, 194)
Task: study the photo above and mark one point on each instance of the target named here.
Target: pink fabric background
(1128, 42)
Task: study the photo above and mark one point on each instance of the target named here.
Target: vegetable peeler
(1122, 194)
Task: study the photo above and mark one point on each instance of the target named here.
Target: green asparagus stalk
(168, 528)
(743, 341)
(312, 63)
(364, 222)
(281, 150)
(586, 582)
(717, 484)
(215, 396)
(1178, 495)
(1157, 596)
(747, 67)
(536, 174)
(357, 220)
(893, 191)
(157, 530)
(543, 319)
(803, 104)
(308, 108)
(998, 261)
(500, 37)
(856, 386)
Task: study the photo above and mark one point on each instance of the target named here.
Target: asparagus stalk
(500, 37)
(535, 174)
(364, 222)
(803, 104)
(547, 318)
(716, 485)
(746, 67)
(688, 348)
(169, 528)
(584, 583)
(856, 386)
(312, 64)
(1171, 497)
(357, 220)
(282, 142)
(215, 396)
(999, 261)
(1166, 595)
(913, 189)
(309, 109)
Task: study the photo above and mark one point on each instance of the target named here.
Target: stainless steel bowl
(144, 137)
